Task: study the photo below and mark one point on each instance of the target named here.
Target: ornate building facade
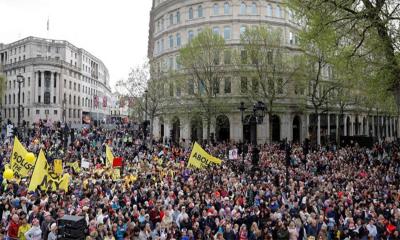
(61, 82)
(173, 23)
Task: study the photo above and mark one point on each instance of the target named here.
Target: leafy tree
(368, 31)
(201, 65)
(268, 64)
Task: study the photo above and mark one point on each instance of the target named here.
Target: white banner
(233, 154)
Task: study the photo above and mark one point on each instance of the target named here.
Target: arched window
(190, 13)
(200, 11)
(254, 8)
(278, 12)
(178, 39)
(242, 30)
(216, 9)
(269, 10)
(227, 8)
(243, 8)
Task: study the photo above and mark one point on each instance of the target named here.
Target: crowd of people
(330, 193)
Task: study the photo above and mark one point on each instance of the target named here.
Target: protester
(330, 193)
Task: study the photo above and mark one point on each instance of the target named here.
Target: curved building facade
(61, 82)
(174, 22)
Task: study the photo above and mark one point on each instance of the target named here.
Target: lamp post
(20, 80)
(257, 117)
(242, 108)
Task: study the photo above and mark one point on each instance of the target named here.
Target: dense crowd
(331, 193)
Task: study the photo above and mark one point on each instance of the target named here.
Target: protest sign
(200, 158)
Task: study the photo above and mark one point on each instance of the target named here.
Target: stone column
(386, 122)
(42, 88)
(262, 133)
(156, 128)
(268, 128)
(329, 126)
(307, 126)
(236, 127)
(36, 91)
(367, 127)
(344, 125)
(337, 128)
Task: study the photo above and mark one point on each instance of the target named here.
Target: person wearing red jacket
(13, 227)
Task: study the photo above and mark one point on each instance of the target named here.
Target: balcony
(41, 61)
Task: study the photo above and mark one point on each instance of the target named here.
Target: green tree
(201, 66)
(368, 31)
(268, 64)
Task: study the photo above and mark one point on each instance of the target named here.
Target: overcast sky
(114, 31)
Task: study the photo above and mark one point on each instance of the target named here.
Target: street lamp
(257, 117)
(20, 80)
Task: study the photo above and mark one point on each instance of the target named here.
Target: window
(171, 19)
(178, 39)
(162, 45)
(227, 33)
(55, 112)
(39, 99)
(178, 17)
(14, 98)
(171, 89)
(270, 57)
(23, 97)
(74, 100)
(202, 88)
(242, 30)
(40, 80)
(191, 87)
(216, 9)
(254, 8)
(200, 11)
(290, 38)
(190, 35)
(178, 91)
(243, 84)
(227, 8)
(278, 12)
(227, 57)
(216, 58)
(46, 98)
(243, 8)
(216, 30)
(54, 99)
(171, 41)
(74, 86)
(280, 86)
(254, 84)
(171, 63)
(227, 85)
(37, 111)
(55, 81)
(243, 56)
(216, 86)
(190, 13)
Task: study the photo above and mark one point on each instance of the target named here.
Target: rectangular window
(216, 9)
(178, 17)
(227, 57)
(243, 56)
(55, 112)
(190, 13)
(178, 40)
(227, 33)
(216, 30)
(54, 99)
(38, 99)
(202, 88)
(216, 86)
(227, 85)
(254, 84)
(200, 11)
(171, 89)
(243, 84)
(191, 87)
(171, 41)
(37, 111)
(171, 19)
(190, 35)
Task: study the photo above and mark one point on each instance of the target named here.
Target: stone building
(61, 82)
(174, 22)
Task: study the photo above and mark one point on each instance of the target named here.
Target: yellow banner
(44, 180)
(58, 167)
(19, 165)
(201, 159)
(109, 156)
(75, 166)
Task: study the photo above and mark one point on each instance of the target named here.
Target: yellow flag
(109, 156)
(43, 179)
(200, 158)
(75, 166)
(39, 173)
(58, 167)
(19, 165)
